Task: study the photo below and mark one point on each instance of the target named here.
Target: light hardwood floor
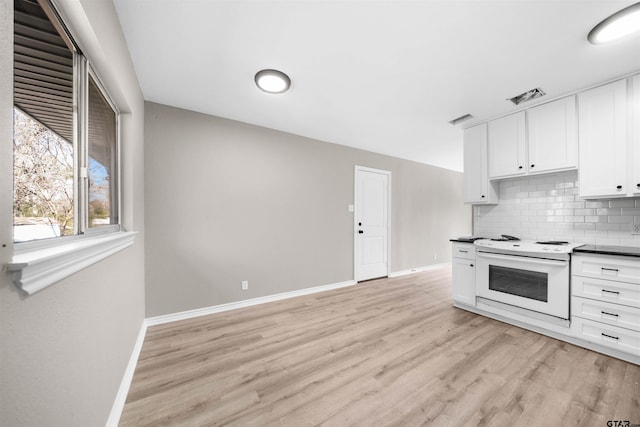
(390, 352)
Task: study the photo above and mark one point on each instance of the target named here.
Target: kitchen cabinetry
(605, 301)
(635, 177)
(477, 188)
(463, 283)
(602, 132)
(552, 136)
(507, 146)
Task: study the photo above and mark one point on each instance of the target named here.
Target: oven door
(537, 284)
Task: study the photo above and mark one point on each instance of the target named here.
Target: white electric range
(529, 277)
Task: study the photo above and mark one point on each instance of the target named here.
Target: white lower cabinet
(605, 301)
(463, 283)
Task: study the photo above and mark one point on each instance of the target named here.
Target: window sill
(35, 270)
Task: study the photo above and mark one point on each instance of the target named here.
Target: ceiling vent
(527, 96)
(460, 119)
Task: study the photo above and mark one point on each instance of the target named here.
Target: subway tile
(585, 226)
(565, 198)
(595, 218)
(630, 211)
(574, 218)
(585, 212)
(621, 203)
(545, 199)
(563, 212)
(621, 219)
(575, 205)
(599, 204)
(555, 219)
(607, 227)
(608, 211)
(569, 184)
(556, 205)
(545, 187)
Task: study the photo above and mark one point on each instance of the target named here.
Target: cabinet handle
(609, 314)
(520, 167)
(610, 336)
(533, 166)
(611, 292)
(470, 265)
(464, 252)
(638, 185)
(619, 187)
(483, 196)
(609, 269)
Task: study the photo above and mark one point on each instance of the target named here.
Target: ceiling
(383, 76)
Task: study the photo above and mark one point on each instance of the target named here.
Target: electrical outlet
(636, 229)
(245, 285)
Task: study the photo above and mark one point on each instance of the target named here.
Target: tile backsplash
(547, 207)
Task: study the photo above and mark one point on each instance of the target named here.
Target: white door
(371, 223)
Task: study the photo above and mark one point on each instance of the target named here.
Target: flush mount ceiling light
(272, 81)
(618, 25)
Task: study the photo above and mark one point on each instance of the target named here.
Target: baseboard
(123, 391)
(167, 318)
(420, 269)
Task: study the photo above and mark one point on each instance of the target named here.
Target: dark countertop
(608, 250)
(461, 241)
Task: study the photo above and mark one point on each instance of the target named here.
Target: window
(65, 133)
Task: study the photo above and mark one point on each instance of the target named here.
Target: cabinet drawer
(464, 250)
(606, 335)
(605, 312)
(623, 269)
(606, 290)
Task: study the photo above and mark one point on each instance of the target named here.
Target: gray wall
(63, 351)
(228, 201)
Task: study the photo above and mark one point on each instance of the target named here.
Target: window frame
(37, 264)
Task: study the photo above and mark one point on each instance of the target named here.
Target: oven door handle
(528, 260)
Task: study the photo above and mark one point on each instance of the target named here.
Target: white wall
(63, 351)
(228, 201)
(547, 207)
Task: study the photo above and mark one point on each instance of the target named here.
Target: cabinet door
(602, 131)
(553, 136)
(507, 145)
(463, 281)
(635, 176)
(476, 182)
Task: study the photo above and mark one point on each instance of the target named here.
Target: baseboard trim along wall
(420, 269)
(127, 378)
(167, 318)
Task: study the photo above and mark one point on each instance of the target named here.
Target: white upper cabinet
(635, 176)
(476, 181)
(603, 140)
(553, 136)
(507, 146)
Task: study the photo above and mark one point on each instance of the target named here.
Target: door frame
(355, 216)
